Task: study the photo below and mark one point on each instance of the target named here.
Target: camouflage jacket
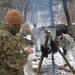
(11, 59)
(67, 41)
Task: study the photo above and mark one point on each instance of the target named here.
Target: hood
(26, 25)
(9, 28)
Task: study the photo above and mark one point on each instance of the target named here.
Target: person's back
(9, 53)
(35, 31)
(12, 56)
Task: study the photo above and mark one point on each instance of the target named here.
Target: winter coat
(67, 41)
(25, 33)
(12, 56)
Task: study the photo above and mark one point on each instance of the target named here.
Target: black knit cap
(58, 32)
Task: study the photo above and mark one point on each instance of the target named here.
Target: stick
(71, 68)
(40, 63)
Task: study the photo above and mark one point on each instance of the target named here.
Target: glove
(64, 51)
(53, 47)
(45, 51)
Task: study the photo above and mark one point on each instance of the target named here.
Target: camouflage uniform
(67, 41)
(12, 59)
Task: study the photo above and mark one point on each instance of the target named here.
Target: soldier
(37, 40)
(27, 34)
(12, 56)
(67, 43)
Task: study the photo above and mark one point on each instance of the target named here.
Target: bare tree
(66, 12)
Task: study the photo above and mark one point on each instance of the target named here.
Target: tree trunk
(66, 12)
(51, 13)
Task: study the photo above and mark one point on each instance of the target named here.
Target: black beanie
(58, 32)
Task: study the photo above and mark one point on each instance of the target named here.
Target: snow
(58, 59)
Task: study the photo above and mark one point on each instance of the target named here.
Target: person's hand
(29, 50)
(64, 51)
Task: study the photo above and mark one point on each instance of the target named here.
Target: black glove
(45, 51)
(64, 51)
(53, 47)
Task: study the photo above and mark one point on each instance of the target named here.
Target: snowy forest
(51, 14)
(41, 12)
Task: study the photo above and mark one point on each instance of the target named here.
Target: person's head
(59, 34)
(15, 18)
(26, 27)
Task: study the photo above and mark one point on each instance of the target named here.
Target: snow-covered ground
(48, 61)
(57, 59)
